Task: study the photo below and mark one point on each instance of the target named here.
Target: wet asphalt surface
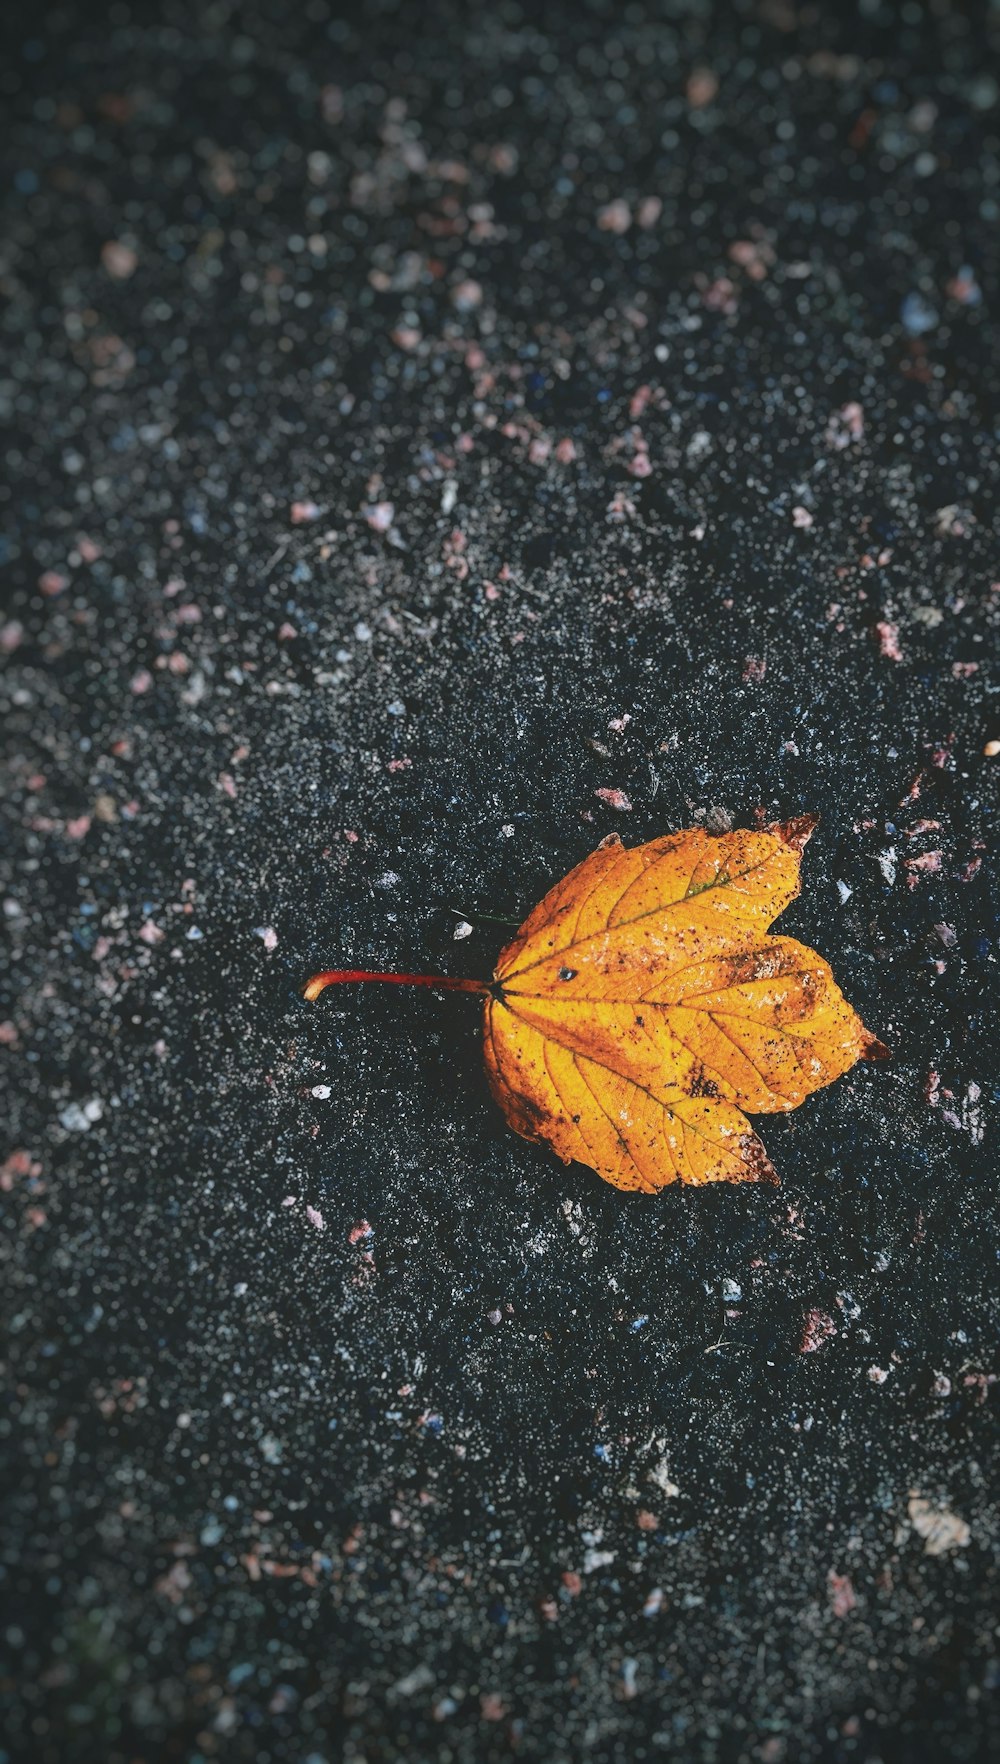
(416, 426)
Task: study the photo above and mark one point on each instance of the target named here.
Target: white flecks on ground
(593, 1559)
(659, 1474)
(847, 425)
(941, 1529)
(886, 861)
(80, 1117)
(973, 1113)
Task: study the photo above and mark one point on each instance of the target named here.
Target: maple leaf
(642, 1008)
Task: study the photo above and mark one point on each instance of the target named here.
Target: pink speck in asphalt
(888, 640)
(927, 864)
(615, 217)
(719, 295)
(817, 1328)
(467, 296)
(702, 86)
(119, 260)
(843, 1598)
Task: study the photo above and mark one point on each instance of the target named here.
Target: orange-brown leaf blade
(589, 1114)
(651, 909)
(642, 1007)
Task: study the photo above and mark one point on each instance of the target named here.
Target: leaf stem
(336, 976)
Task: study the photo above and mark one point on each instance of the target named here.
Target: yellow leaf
(642, 1007)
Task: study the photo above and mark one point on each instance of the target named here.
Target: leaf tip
(874, 1049)
(797, 832)
(759, 1167)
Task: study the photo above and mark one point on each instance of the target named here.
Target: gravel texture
(426, 431)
